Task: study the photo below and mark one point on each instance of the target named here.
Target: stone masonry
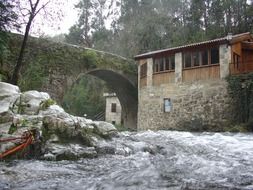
(202, 104)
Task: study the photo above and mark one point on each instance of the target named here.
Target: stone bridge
(63, 65)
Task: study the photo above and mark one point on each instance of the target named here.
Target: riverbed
(145, 160)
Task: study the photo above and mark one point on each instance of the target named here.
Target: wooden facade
(163, 78)
(201, 73)
(242, 58)
(200, 61)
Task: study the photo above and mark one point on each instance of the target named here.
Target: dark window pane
(156, 66)
(204, 57)
(187, 60)
(195, 58)
(167, 63)
(113, 107)
(172, 62)
(215, 56)
(161, 64)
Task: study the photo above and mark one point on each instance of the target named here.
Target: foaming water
(145, 160)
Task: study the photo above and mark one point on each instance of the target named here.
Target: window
(167, 105)
(167, 63)
(143, 70)
(204, 57)
(195, 58)
(161, 64)
(156, 66)
(113, 107)
(113, 122)
(164, 64)
(187, 60)
(201, 58)
(236, 60)
(172, 62)
(215, 56)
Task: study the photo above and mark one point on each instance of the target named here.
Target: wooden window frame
(236, 60)
(208, 50)
(157, 62)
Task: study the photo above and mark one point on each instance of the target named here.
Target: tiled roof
(179, 48)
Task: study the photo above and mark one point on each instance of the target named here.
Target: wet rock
(7, 89)
(143, 147)
(54, 110)
(69, 152)
(104, 129)
(20, 112)
(30, 102)
(105, 149)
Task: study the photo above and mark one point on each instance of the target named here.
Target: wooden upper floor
(199, 61)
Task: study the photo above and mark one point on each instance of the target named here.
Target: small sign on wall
(167, 105)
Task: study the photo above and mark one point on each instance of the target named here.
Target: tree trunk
(16, 72)
(15, 76)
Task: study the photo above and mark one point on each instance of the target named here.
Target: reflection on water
(146, 160)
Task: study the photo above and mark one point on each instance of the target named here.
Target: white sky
(44, 25)
(62, 26)
(59, 26)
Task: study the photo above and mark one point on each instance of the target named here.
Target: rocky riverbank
(59, 135)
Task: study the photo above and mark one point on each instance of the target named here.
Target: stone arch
(126, 92)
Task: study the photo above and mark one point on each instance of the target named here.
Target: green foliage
(90, 58)
(12, 128)
(21, 107)
(46, 104)
(122, 128)
(240, 88)
(85, 97)
(33, 77)
(143, 25)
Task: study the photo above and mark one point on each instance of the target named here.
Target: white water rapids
(145, 160)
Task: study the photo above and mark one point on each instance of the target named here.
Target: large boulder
(64, 136)
(8, 96)
(31, 102)
(7, 90)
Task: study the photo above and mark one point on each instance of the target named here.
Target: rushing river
(146, 160)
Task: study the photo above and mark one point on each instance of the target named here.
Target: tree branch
(41, 8)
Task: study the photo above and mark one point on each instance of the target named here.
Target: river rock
(7, 89)
(30, 102)
(69, 152)
(64, 136)
(104, 129)
(68, 130)
(8, 95)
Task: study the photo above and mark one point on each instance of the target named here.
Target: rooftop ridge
(222, 39)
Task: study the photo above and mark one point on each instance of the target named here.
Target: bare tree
(29, 11)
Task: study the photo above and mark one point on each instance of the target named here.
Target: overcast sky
(57, 26)
(69, 19)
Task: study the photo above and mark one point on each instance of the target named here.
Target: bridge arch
(61, 65)
(124, 88)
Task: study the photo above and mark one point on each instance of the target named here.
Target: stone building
(185, 87)
(113, 109)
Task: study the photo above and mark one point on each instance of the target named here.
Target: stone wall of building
(202, 105)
